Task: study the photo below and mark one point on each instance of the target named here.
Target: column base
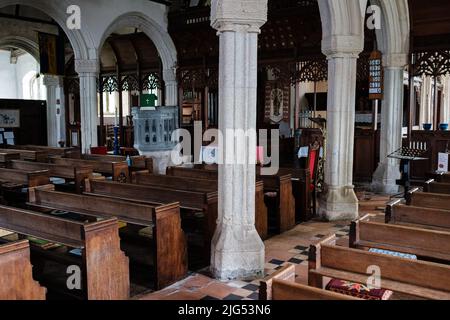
(339, 204)
(161, 160)
(384, 179)
(237, 253)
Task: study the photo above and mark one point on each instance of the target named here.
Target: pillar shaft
(53, 110)
(171, 87)
(88, 73)
(339, 201)
(388, 170)
(237, 249)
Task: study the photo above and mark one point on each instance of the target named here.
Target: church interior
(115, 121)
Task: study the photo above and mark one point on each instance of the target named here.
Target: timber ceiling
(430, 24)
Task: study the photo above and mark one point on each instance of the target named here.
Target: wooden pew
(76, 174)
(28, 155)
(119, 171)
(204, 185)
(51, 151)
(190, 202)
(105, 267)
(421, 279)
(428, 200)
(281, 184)
(16, 278)
(13, 177)
(6, 157)
(168, 246)
(138, 163)
(425, 243)
(442, 177)
(398, 213)
(281, 286)
(432, 186)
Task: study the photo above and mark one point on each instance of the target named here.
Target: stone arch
(80, 40)
(342, 24)
(25, 44)
(160, 36)
(393, 38)
(163, 43)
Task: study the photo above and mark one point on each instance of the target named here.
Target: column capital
(52, 81)
(342, 46)
(395, 60)
(169, 75)
(238, 15)
(87, 66)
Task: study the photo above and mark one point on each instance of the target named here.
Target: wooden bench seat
(424, 243)
(168, 246)
(437, 187)
(119, 171)
(428, 200)
(281, 286)
(16, 278)
(420, 279)
(28, 155)
(105, 274)
(76, 174)
(205, 185)
(399, 213)
(284, 205)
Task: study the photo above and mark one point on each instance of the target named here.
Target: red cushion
(358, 290)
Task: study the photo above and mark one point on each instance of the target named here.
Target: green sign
(148, 100)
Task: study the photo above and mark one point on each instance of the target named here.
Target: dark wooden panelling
(33, 120)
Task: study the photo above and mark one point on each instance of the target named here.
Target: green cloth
(148, 100)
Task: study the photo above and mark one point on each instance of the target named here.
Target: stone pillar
(88, 73)
(237, 249)
(171, 86)
(445, 108)
(339, 201)
(62, 113)
(388, 171)
(53, 110)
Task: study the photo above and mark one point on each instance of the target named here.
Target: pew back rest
(187, 199)
(281, 286)
(401, 213)
(118, 170)
(437, 187)
(427, 279)
(130, 212)
(406, 239)
(27, 178)
(174, 182)
(428, 200)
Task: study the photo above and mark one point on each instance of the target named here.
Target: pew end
(16, 278)
(314, 260)
(171, 254)
(265, 288)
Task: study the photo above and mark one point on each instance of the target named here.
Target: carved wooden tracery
(433, 64)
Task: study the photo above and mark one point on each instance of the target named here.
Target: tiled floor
(291, 247)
